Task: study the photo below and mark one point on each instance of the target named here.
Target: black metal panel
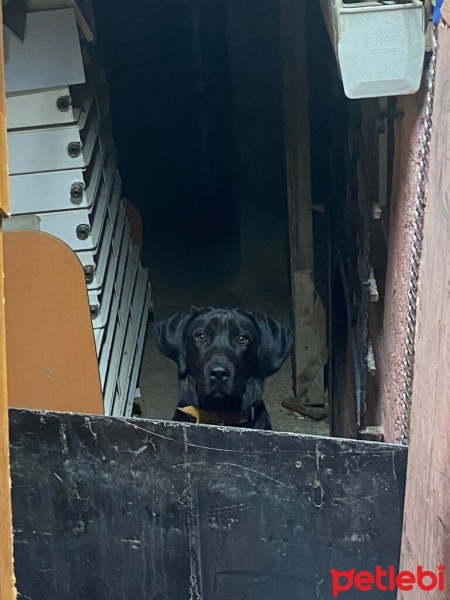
(111, 509)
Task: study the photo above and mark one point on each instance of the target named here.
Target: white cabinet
(64, 181)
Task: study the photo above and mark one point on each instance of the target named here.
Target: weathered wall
(390, 247)
(388, 318)
(427, 510)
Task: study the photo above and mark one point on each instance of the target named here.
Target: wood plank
(4, 178)
(426, 538)
(52, 361)
(7, 587)
(309, 314)
(297, 134)
(236, 514)
(310, 350)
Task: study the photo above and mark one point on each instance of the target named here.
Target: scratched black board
(115, 509)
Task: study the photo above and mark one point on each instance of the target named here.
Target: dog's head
(223, 354)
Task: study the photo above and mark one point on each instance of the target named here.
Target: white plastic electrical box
(379, 45)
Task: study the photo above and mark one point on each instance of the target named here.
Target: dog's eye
(242, 339)
(200, 337)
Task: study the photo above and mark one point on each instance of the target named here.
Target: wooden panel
(52, 362)
(7, 589)
(309, 314)
(426, 539)
(117, 508)
(4, 180)
(293, 22)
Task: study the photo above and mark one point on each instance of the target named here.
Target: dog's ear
(275, 344)
(169, 336)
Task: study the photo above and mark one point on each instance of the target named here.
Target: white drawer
(50, 56)
(121, 248)
(81, 229)
(131, 392)
(100, 211)
(115, 214)
(109, 329)
(116, 402)
(131, 336)
(100, 300)
(119, 333)
(128, 286)
(98, 336)
(55, 191)
(39, 109)
(54, 149)
(139, 295)
(108, 335)
(94, 262)
(125, 368)
(110, 387)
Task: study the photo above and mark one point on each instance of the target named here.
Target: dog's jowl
(223, 358)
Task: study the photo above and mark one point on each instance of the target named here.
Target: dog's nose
(219, 373)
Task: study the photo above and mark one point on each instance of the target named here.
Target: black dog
(223, 357)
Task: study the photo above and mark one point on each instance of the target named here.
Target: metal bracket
(383, 116)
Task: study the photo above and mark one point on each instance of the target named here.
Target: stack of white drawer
(64, 181)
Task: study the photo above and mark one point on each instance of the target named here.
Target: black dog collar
(214, 417)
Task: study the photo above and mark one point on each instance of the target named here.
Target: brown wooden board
(52, 362)
(113, 508)
(426, 538)
(4, 176)
(7, 591)
(309, 313)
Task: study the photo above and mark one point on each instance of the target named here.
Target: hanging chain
(416, 247)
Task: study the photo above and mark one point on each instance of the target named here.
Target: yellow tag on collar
(212, 417)
(192, 411)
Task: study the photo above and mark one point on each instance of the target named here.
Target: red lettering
(391, 579)
(441, 574)
(379, 574)
(337, 586)
(364, 581)
(405, 581)
(421, 575)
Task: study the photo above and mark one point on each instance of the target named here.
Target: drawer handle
(94, 311)
(89, 271)
(74, 149)
(83, 232)
(76, 192)
(63, 103)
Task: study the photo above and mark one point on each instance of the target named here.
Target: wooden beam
(309, 313)
(4, 176)
(7, 589)
(7, 582)
(426, 534)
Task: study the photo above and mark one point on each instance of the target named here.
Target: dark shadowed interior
(196, 93)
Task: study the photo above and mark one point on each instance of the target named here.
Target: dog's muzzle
(219, 376)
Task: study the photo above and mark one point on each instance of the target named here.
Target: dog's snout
(219, 373)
